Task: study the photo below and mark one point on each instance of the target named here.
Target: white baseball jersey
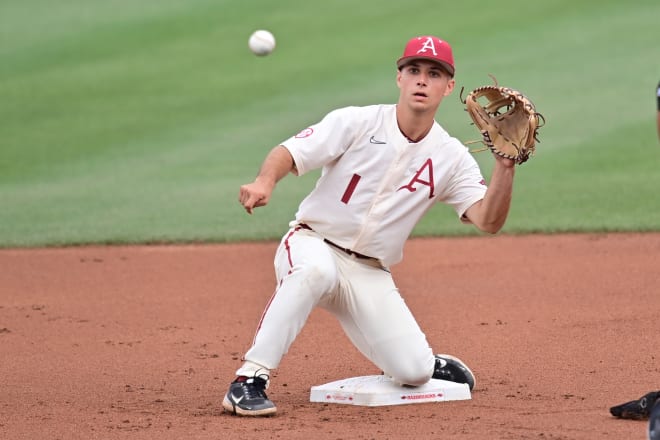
(376, 184)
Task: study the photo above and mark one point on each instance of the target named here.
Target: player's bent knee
(411, 373)
(414, 379)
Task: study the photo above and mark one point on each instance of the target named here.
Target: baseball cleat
(636, 409)
(452, 369)
(247, 397)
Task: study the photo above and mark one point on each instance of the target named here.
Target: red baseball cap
(428, 48)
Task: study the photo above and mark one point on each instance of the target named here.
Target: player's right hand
(253, 195)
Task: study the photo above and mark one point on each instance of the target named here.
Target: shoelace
(444, 373)
(441, 370)
(254, 387)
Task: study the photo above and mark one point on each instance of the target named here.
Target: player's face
(423, 84)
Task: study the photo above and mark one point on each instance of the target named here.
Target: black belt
(347, 251)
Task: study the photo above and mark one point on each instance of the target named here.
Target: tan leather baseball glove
(507, 119)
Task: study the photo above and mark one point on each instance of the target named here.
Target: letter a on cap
(428, 44)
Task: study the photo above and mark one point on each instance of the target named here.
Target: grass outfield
(127, 122)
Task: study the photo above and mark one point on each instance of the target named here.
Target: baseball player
(383, 167)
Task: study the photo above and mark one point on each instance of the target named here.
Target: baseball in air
(261, 43)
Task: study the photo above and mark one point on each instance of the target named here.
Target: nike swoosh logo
(236, 401)
(374, 141)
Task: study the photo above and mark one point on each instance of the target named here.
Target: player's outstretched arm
(490, 213)
(278, 163)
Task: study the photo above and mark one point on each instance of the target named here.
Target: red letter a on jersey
(426, 169)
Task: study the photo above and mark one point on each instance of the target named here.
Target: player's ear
(450, 86)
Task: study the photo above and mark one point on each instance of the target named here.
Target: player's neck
(414, 127)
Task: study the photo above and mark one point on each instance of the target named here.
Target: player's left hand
(505, 162)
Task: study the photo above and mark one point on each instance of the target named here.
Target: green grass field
(129, 122)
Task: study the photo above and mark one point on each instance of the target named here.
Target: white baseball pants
(360, 293)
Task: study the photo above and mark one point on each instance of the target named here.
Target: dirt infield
(141, 342)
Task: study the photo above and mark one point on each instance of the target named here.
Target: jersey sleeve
(467, 185)
(324, 141)
(657, 92)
